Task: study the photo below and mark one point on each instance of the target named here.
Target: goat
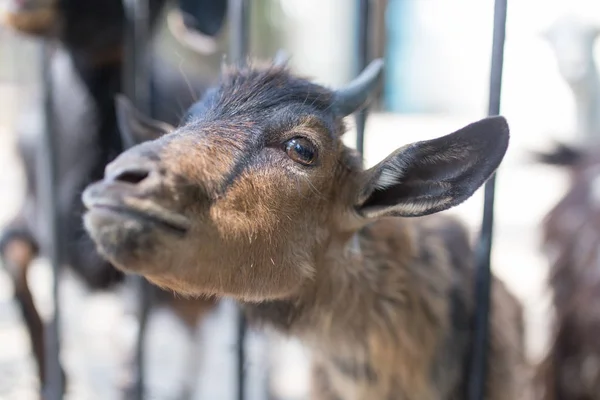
(571, 369)
(254, 196)
(86, 75)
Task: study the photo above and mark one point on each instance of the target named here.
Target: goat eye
(300, 150)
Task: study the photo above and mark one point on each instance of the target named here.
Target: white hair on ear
(420, 207)
(408, 209)
(391, 174)
(386, 179)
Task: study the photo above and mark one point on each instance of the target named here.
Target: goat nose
(136, 166)
(133, 174)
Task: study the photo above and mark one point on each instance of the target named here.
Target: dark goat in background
(87, 70)
(571, 237)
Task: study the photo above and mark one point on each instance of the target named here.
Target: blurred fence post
(48, 189)
(239, 21)
(362, 59)
(136, 84)
(483, 279)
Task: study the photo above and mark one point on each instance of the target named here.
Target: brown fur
(385, 303)
(571, 370)
(407, 300)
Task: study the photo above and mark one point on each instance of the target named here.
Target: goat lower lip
(164, 221)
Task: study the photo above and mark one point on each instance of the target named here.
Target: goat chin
(119, 239)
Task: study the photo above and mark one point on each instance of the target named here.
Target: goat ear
(135, 127)
(434, 175)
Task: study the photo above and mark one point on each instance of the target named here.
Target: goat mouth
(143, 210)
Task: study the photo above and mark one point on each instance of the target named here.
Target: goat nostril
(132, 176)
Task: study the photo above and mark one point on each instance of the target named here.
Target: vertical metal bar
(129, 50)
(239, 40)
(362, 59)
(48, 188)
(136, 83)
(241, 355)
(239, 32)
(483, 280)
(145, 305)
(138, 16)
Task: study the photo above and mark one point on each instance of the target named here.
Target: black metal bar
(362, 59)
(48, 188)
(239, 45)
(483, 280)
(136, 85)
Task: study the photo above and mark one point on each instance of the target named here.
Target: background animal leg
(17, 251)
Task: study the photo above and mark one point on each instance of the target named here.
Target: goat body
(254, 196)
(393, 318)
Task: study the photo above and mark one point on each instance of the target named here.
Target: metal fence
(136, 80)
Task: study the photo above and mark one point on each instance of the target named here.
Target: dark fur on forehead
(265, 94)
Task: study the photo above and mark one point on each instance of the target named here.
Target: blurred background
(436, 80)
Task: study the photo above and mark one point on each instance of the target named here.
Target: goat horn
(354, 95)
(281, 58)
